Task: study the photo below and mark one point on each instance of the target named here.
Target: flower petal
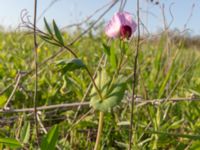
(113, 27)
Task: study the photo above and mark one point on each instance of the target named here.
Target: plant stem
(97, 89)
(134, 76)
(36, 71)
(100, 127)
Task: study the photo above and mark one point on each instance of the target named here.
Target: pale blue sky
(66, 12)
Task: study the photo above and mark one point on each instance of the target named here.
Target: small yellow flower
(38, 50)
(45, 48)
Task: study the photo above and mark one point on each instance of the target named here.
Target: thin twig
(70, 106)
(167, 46)
(160, 101)
(14, 90)
(46, 9)
(41, 124)
(87, 19)
(5, 89)
(124, 4)
(140, 102)
(134, 75)
(36, 71)
(189, 17)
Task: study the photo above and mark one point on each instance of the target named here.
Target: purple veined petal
(113, 27)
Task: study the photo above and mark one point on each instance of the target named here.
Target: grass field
(166, 112)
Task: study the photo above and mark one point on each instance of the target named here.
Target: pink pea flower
(121, 25)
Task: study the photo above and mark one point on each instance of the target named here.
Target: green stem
(135, 76)
(97, 89)
(100, 127)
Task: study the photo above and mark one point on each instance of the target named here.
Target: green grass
(169, 125)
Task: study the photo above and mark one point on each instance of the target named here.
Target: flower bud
(121, 26)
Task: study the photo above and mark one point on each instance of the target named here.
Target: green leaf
(113, 59)
(70, 65)
(45, 37)
(194, 92)
(124, 123)
(195, 145)
(64, 86)
(121, 144)
(106, 49)
(47, 27)
(11, 143)
(57, 33)
(49, 140)
(109, 101)
(187, 136)
(158, 62)
(3, 100)
(49, 40)
(25, 132)
(112, 94)
(166, 79)
(176, 124)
